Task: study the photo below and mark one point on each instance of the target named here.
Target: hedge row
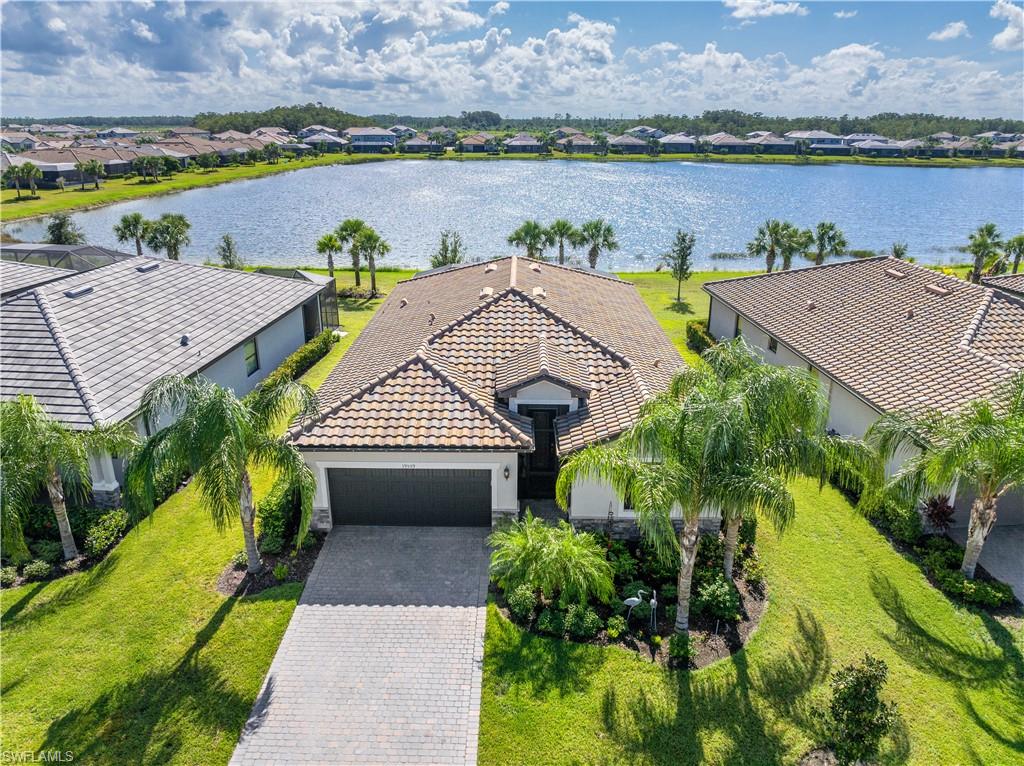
(698, 338)
(303, 358)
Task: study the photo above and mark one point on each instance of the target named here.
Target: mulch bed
(237, 582)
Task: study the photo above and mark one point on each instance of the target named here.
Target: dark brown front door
(539, 469)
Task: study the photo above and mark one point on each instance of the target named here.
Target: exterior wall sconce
(507, 473)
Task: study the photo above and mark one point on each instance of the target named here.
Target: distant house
(726, 143)
(117, 133)
(678, 143)
(878, 149)
(821, 137)
(312, 130)
(645, 131)
(578, 143)
(189, 131)
(627, 144)
(915, 147)
(965, 147)
(86, 346)
(522, 143)
(998, 137)
(370, 140)
(758, 134)
(330, 142)
(266, 130)
(442, 134)
(477, 143)
(565, 132)
(943, 136)
(421, 145)
(402, 131)
(51, 171)
(230, 135)
(769, 143)
(15, 141)
(829, 149)
(856, 138)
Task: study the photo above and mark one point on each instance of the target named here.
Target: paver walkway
(382, 659)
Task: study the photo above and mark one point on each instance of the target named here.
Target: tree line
(291, 118)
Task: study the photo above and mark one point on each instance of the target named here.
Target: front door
(539, 469)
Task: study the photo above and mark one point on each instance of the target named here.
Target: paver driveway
(381, 662)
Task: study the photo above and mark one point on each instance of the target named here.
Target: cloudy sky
(519, 58)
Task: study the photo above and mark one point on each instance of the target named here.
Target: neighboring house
(330, 141)
(370, 140)
(312, 130)
(456, 403)
(878, 149)
(881, 334)
(579, 144)
(1008, 283)
(16, 277)
(726, 143)
(815, 136)
(230, 135)
(271, 131)
(523, 143)
(943, 136)
(565, 132)
(773, 144)
(17, 141)
(421, 145)
(86, 346)
(188, 130)
(52, 171)
(327, 297)
(965, 147)
(645, 131)
(678, 143)
(829, 149)
(856, 138)
(403, 131)
(442, 134)
(998, 137)
(116, 133)
(758, 134)
(627, 144)
(478, 143)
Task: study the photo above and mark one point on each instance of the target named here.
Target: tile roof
(88, 357)
(898, 335)
(488, 326)
(1010, 283)
(15, 276)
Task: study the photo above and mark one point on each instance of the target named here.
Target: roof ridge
(974, 327)
(77, 376)
(577, 270)
(836, 264)
(457, 267)
(463, 317)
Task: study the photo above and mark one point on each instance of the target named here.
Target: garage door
(444, 497)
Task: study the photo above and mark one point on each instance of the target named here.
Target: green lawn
(139, 660)
(837, 590)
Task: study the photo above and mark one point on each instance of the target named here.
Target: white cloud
(56, 25)
(143, 32)
(756, 9)
(1011, 38)
(497, 9)
(845, 14)
(951, 31)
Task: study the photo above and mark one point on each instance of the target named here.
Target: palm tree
(217, 437)
(532, 237)
(980, 447)
(95, 169)
(984, 245)
(727, 436)
(597, 236)
(272, 152)
(560, 232)
(30, 173)
(985, 146)
(346, 233)
(898, 250)
(37, 451)
(829, 241)
(328, 245)
(371, 246)
(12, 175)
(1014, 250)
(132, 227)
(768, 242)
(169, 233)
(794, 242)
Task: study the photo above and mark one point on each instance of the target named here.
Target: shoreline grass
(116, 190)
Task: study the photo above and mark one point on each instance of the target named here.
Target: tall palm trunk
(979, 264)
(983, 516)
(592, 256)
(252, 552)
(561, 251)
(17, 187)
(330, 263)
(732, 531)
(55, 489)
(138, 246)
(770, 260)
(688, 537)
(356, 266)
(372, 264)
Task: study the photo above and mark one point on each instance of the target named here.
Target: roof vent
(403, 303)
(185, 340)
(539, 292)
(937, 289)
(147, 267)
(657, 363)
(895, 274)
(535, 267)
(910, 313)
(490, 267)
(486, 292)
(811, 305)
(433, 316)
(78, 292)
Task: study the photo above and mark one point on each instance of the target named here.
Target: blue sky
(519, 58)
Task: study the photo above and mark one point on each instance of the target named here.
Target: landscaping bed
(724, 613)
(278, 568)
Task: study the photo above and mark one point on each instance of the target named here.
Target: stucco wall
(543, 392)
(592, 500)
(722, 320)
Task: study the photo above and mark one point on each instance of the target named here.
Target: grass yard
(837, 590)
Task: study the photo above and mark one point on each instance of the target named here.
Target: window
(773, 345)
(252, 357)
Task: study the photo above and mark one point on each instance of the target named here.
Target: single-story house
(726, 143)
(522, 143)
(271, 130)
(773, 144)
(189, 130)
(51, 171)
(312, 130)
(578, 143)
(331, 142)
(943, 136)
(565, 132)
(965, 147)
(230, 135)
(627, 144)
(117, 133)
(403, 131)
(815, 136)
(370, 140)
(421, 145)
(86, 346)
(15, 141)
(856, 138)
(327, 297)
(456, 403)
(645, 131)
(442, 134)
(758, 134)
(1008, 283)
(478, 143)
(881, 334)
(16, 277)
(877, 149)
(829, 149)
(998, 137)
(678, 143)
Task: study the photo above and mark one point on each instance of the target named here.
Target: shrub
(655, 568)
(552, 622)
(36, 570)
(280, 571)
(106, 532)
(681, 648)
(939, 513)
(753, 570)
(582, 621)
(8, 576)
(718, 598)
(240, 560)
(857, 718)
(671, 612)
(905, 524)
(623, 566)
(989, 594)
(616, 626)
(303, 358)
(277, 516)
(668, 593)
(748, 530)
(557, 561)
(710, 551)
(521, 602)
(49, 551)
(698, 338)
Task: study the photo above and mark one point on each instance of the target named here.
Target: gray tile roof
(89, 358)
(15, 277)
(898, 335)
(1010, 283)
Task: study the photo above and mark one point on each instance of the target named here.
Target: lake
(277, 220)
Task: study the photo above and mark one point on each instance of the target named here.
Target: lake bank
(118, 190)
